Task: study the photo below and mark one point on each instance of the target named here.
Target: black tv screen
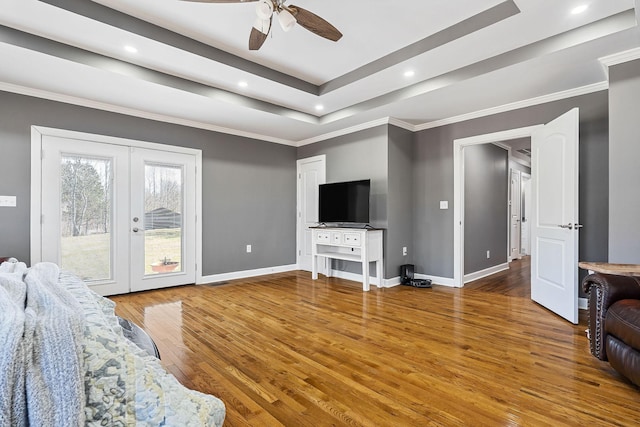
(344, 202)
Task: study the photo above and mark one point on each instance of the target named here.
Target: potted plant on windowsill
(164, 265)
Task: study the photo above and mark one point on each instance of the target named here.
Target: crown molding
(82, 102)
(557, 96)
(68, 99)
(620, 57)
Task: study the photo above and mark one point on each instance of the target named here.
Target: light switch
(444, 204)
(8, 201)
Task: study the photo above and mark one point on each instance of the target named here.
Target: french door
(122, 218)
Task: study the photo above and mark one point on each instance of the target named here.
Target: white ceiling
(540, 51)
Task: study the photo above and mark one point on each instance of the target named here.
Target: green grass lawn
(88, 256)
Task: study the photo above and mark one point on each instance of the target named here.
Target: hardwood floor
(286, 350)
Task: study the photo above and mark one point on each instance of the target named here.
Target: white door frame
(299, 227)
(458, 190)
(518, 200)
(38, 132)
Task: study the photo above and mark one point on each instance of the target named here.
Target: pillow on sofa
(124, 385)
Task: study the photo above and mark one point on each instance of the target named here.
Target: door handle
(577, 226)
(569, 226)
(135, 229)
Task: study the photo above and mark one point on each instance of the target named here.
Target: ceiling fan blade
(220, 1)
(258, 37)
(315, 24)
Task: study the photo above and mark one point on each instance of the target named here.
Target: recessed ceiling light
(243, 84)
(409, 73)
(579, 9)
(319, 107)
(130, 49)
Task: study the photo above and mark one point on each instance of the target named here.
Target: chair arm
(604, 290)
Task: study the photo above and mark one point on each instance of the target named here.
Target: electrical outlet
(248, 249)
(488, 254)
(404, 251)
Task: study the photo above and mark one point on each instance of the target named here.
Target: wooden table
(608, 268)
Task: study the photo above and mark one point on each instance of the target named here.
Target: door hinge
(299, 253)
(299, 176)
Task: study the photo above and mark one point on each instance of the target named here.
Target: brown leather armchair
(614, 321)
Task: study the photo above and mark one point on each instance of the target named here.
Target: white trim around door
(458, 190)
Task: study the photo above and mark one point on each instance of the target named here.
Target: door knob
(136, 219)
(135, 229)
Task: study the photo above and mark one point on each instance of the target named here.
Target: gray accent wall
(399, 201)
(360, 155)
(624, 169)
(249, 186)
(486, 197)
(433, 174)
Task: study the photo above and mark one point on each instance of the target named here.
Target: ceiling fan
(288, 16)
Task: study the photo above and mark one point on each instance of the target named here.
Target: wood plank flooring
(284, 350)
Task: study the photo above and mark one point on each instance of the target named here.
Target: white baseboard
(486, 272)
(583, 303)
(247, 273)
(435, 280)
(390, 283)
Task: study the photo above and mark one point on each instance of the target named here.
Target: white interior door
(85, 211)
(311, 173)
(554, 249)
(119, 217)
(162, 219)
(514, 204)
(525, 214)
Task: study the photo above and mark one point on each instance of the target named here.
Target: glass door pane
(86, 217)
(163, 226)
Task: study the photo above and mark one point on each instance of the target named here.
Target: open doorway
(512, 141)
(495, 220)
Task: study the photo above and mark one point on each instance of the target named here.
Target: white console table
(350, 244)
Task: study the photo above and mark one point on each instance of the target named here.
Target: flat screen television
(343, 202)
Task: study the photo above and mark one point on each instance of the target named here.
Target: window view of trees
(86, 217)
(85, 196)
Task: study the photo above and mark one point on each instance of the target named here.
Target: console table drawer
(352, 239)
(323, 237)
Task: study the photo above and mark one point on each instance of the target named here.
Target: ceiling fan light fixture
(264, 9)
(286, 19)
(262, 25)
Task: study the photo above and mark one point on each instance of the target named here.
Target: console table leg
(314, 267)
(380, 273)
(365, 276)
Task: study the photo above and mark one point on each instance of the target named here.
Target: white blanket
(54, 326)
(12, 357)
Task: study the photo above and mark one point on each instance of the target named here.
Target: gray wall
(360, 155)
(624, 153)
(249, 186)
(433, 174)
(400, 202)
(486, 174)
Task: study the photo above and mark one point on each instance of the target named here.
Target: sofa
(614, 321)
(66, 361)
